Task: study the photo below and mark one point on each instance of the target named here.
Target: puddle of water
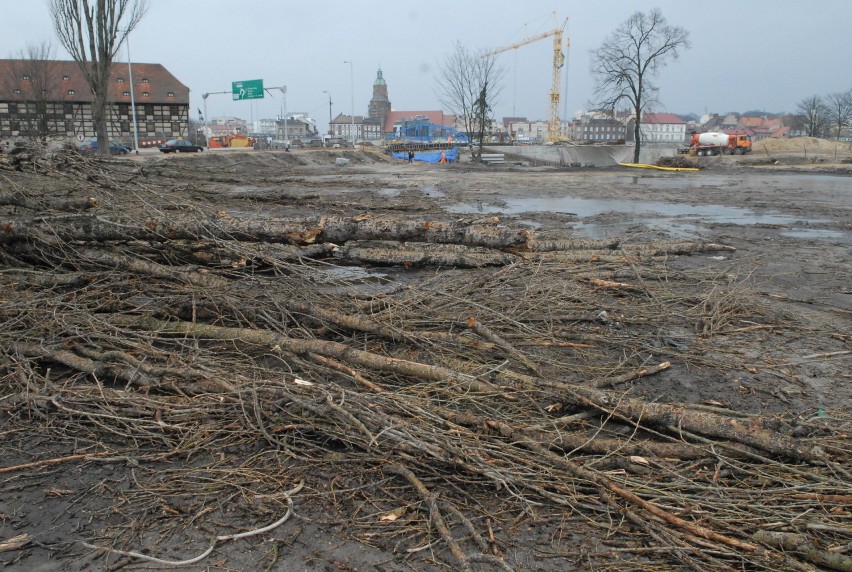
(824, 182)
(603, 231)
(817, 233)
(584, 208)
(431, 191)
(389, 192)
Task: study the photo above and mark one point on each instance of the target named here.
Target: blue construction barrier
(452, 156)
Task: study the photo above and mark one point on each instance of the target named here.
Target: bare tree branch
(839, 110)
(92, 34)
(814, 114)
(470, 86)
(32, 77)
(626, 62)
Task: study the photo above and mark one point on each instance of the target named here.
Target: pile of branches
(480, 382)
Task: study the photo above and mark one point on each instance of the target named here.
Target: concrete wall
(585, 155)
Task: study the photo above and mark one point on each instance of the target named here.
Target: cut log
(415, 254)
(338, 230)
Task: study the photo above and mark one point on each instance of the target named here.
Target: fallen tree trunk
(415, 254)
(277, 342)
(304, 231)
(804, 546)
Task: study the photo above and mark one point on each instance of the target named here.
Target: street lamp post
(329, 113)
(132, 97)
(206, 120)
(283, 89)
(352, 92)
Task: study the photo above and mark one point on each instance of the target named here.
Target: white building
(662, 127)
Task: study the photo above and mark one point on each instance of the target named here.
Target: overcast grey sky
(745, 55)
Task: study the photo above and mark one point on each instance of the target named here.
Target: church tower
(380, 105)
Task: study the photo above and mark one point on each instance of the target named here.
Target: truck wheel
(700, 152)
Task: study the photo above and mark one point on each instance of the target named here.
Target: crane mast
(558, 62)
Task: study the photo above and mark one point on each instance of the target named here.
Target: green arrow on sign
(249, 89)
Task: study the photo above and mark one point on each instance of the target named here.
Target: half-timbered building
(53, 98)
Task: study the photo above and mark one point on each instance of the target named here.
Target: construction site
(270, 360)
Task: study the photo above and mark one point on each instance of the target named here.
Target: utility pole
(283, 89)
(352, 91)
(132, 97)
(207, 117)
(329, 113)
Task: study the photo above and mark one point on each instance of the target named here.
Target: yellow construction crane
(558, 62)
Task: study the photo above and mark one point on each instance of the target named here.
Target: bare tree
(92, 33)
(32, 78)
(839, 110)
(629, 58)
(814, 115)
(470, 86)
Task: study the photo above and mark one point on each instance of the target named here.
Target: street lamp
(132, 97)
(283, 90)
(352, 88)
(329, 112)
(206, 120)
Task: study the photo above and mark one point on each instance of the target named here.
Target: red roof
(152, 83)
(669, 118)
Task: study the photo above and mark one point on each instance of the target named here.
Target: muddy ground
(789, 218)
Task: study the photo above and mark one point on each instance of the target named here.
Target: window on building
(25, 77)
(120, 80)
(65, 78)
(126, 94)
(17, 91)
(71, 92)
(145, 80)
(170, 94)
(145, 94)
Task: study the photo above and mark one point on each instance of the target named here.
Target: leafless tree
(32, 79)
(92, 31)
(625, 64)
(814, 114)
(839, 110)
(470, 86)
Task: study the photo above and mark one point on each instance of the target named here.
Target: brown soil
(761, 330)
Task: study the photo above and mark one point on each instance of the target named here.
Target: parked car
(115, 148)
(180, 146)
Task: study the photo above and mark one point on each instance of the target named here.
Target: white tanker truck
(713, 143)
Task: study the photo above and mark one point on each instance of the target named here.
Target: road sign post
(249, 89)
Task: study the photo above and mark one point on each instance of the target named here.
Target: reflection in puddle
(821, 233)
(431, 191)
(591, 207)
(678, 219)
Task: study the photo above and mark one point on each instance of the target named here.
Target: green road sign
(250, 89)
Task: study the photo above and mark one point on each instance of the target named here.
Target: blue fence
(452, 156)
